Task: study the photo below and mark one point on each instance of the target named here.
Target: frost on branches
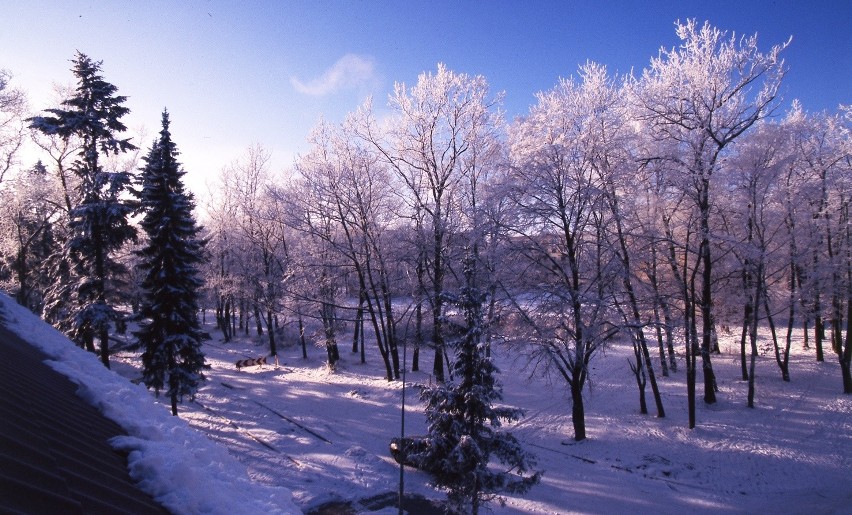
(463, 425)
(88, 273)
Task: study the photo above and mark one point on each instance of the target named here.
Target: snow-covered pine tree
(463, 425)
(98, 226)
(170, 332)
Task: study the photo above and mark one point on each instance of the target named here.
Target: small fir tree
(171, 286)
(98, 226)
(463, 425)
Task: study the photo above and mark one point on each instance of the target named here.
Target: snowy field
(324, 436)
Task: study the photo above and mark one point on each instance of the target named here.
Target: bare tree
(701, 97)
(13, 107)
(29, 209)
(754, 220)
(264, 261)
(560, 197)
(434, 124)
(343, 184)
(220, 277)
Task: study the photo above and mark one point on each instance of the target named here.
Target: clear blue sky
(233, 73)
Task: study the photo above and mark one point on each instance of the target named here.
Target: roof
(54, 451)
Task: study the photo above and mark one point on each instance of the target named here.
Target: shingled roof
(54, 450)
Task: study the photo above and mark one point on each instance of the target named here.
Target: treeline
(659, 208)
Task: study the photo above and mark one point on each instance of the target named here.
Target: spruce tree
(463, 425)
(170, 332)
(98, 226)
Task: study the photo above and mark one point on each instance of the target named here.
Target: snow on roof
(180, 468)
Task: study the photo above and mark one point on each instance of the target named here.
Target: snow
(178, 466)
(324, 435)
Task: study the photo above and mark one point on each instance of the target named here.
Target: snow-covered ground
(324, 436)
(179, 467)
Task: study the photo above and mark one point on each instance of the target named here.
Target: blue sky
(235, 73)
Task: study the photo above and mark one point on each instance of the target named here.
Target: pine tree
(463, 424)
(98, 226)
(170, 332)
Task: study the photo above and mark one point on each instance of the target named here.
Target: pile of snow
(179, 467)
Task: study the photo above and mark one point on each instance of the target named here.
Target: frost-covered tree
(339, 181)
(169, 332)
(698, 99)
(99, 224)
(13, 104)
(464, 434)
(435, 124)
(262, 256)
(559, 196)
(754, 220)
(28, 211)
(319, 265)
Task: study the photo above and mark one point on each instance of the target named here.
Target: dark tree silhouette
(170, 331)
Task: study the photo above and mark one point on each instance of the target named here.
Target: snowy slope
(178, 466)
(324, 436)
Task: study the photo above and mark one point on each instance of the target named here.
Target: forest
(661, 208)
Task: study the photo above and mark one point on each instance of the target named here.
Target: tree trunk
(418, 337)
(361, 338)
(242, 316)
(791, 320)
(382, 331)
(819, 334)
(638, 373)
(302, 338)
(806, 331)
(660, 342)
(270, 330)
(691, 351)
(667, 319)
(104, 337)
(390, 331)
(656, 301)
(258, 321)
(845, 357)
(781, 358)
(578, 413)
(706, 305)
(233, 317)
(643, 353)
(748, 315)
(438, 296)
(356, 333)
(328, 319)
(173, 386)
(359, 319)
(753, 345)
(226, 319)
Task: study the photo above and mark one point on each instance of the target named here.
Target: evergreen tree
(170, 332)
(463, 424)
(98, 226)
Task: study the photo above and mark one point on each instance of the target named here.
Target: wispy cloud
(348, 72)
